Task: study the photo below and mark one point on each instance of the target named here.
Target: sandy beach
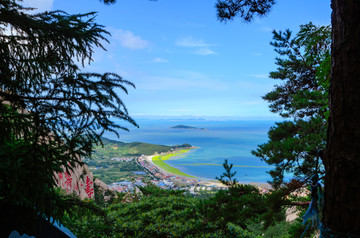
(264, 187)
(201, 181)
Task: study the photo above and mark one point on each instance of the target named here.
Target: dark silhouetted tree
(304, 71)
(50, 112)
(342, 163)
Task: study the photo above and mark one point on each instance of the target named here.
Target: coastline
(191, 179)
(159, 161)
(170, 171)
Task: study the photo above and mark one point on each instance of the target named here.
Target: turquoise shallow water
(232, 140)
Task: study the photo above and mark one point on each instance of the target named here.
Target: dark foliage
(245, 9)
(304, 69)
(156, 213)
(237, 205)
(227, 178)
(108, 2)
(51, 113)
(153, 190)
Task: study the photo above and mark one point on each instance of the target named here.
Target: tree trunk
(342, 160)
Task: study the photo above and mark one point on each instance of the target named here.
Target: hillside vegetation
(157, 212)
(114, 161)
(118, 149)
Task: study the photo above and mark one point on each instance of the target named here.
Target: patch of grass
(159, 161)
(168, 156)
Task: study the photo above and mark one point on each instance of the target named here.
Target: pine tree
(342, 164)
(304, 69)
(51, 113)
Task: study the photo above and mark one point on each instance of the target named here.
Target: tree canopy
(304, 71)
(51, 113)
(245, 9)
(341, 157)
(157, 212)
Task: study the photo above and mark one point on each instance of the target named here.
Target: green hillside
(105, 166)
(118, 149)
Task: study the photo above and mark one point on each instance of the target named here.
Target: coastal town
(166, 180)
(161, 178)
(124, 169)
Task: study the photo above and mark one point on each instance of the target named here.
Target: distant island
(186, 127)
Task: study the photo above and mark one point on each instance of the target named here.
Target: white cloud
(191, 42)
(182, 81)
(40, 5)
(129, 40)
(159, 60)
(257, 54)
(203, 48)
(205, 51)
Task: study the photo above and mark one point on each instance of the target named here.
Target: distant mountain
(186, 127)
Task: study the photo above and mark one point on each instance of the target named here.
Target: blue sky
(183, 61)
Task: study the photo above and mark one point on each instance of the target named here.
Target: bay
(231, 140)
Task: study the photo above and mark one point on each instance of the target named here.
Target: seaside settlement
(164, 179)
(121, 167)
(160, 178)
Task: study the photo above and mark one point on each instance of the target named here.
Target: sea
(221, 140)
